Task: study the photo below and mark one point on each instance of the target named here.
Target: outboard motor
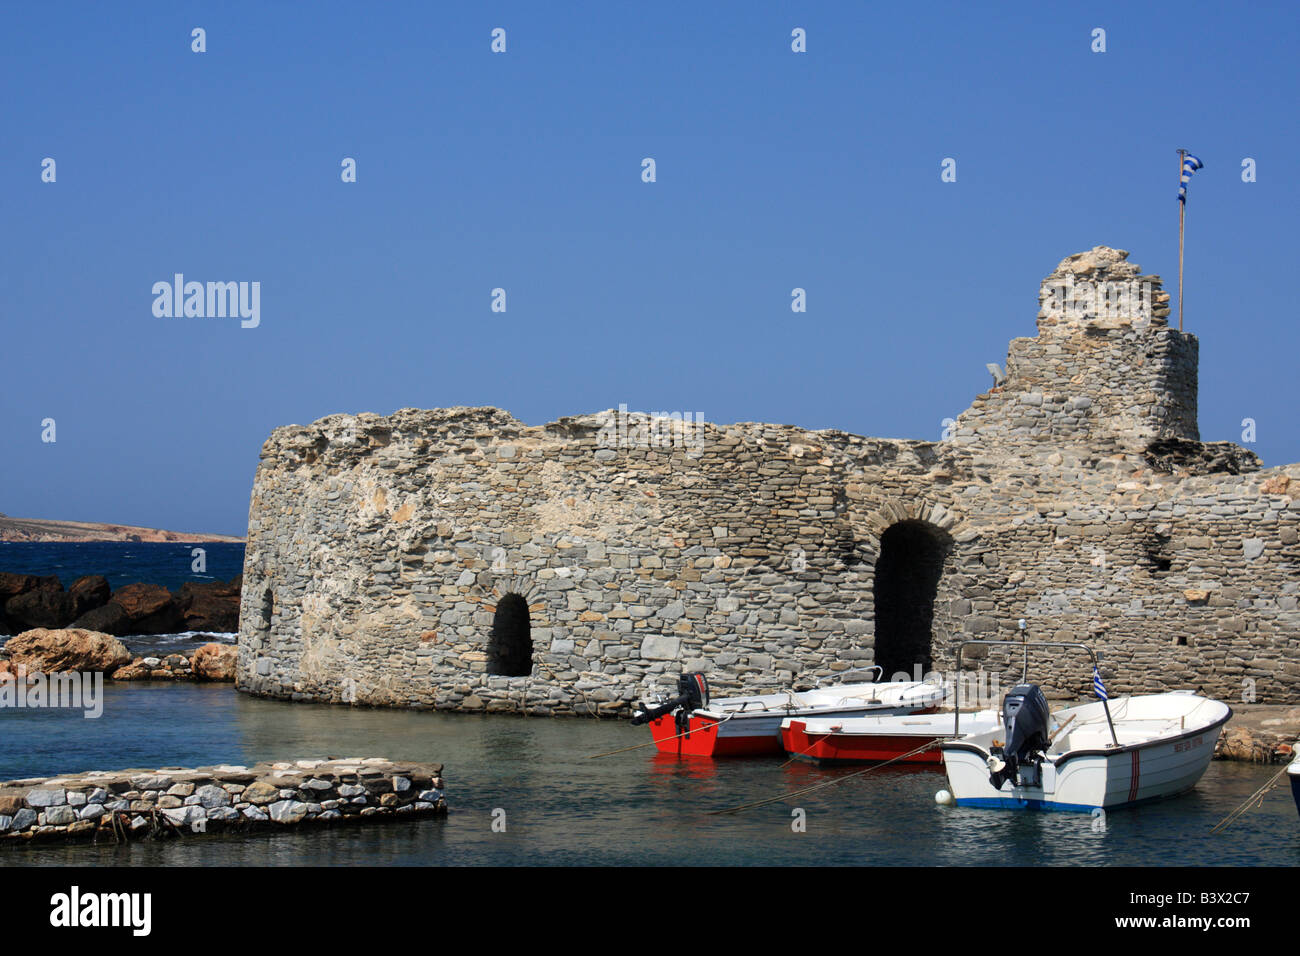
(1026, 717)
(692, 694)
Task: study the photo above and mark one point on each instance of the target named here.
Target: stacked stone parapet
(1105, 370)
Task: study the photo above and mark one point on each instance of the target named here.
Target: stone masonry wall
(118, 806)
(1075, 496)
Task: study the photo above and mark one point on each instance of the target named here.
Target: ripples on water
(168, 563)
(628, 809)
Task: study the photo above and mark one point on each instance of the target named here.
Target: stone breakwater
(461, 559)
(116, 806)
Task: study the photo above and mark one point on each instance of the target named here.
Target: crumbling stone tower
(1105, 369)
(460, 559)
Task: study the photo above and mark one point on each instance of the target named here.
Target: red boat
(878, 738)
(691, 725)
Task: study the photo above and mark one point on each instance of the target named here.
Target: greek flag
(1098, 687)
(1190, 165)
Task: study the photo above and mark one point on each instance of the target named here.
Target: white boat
(1160, 746)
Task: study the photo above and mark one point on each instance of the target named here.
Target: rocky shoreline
(1260, 733)
(73, 650)
(33, 601)
(175, 802)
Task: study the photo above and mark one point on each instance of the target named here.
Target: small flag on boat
(1098, 687)
(1190, 165)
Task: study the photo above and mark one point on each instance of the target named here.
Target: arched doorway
(510, 646)
(908, 569)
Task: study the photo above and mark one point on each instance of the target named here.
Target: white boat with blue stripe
(1106, 754)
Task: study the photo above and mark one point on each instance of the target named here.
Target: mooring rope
(829, 783)
(1254, 800)
(794, 757)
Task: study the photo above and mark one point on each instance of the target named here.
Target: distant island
(37, 529)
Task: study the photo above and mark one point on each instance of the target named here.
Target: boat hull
(1086, 780)
(872, 739)
(835, 749)
(1293, 772)
(746, 726)
(741, 735)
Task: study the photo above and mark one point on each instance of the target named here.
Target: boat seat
(1096, 736)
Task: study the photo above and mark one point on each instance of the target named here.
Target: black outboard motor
(1026, 717)
(692, 694)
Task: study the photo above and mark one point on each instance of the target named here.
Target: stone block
(660, 647)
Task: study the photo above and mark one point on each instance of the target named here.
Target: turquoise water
(628, 809)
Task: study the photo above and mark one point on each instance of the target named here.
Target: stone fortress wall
(459, 559)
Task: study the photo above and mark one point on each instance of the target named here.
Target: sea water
(524, 790)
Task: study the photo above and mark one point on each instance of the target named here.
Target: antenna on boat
(1024, 638)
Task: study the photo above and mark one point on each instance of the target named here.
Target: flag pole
(1182, 213)
(1099, 689)
(1110, 723)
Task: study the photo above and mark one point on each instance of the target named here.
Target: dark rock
(141, 601)
(210, 606)
(12, 585)
(19, 585)
(135, 609)
(150, 609)
(42, 608)
(109, 619)
(89, 592)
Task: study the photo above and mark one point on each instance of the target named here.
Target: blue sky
(522, 171)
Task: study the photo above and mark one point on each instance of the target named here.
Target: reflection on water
(637, 807)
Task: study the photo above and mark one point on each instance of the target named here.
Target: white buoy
(943, 798)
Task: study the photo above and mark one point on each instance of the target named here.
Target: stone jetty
(116, 806)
